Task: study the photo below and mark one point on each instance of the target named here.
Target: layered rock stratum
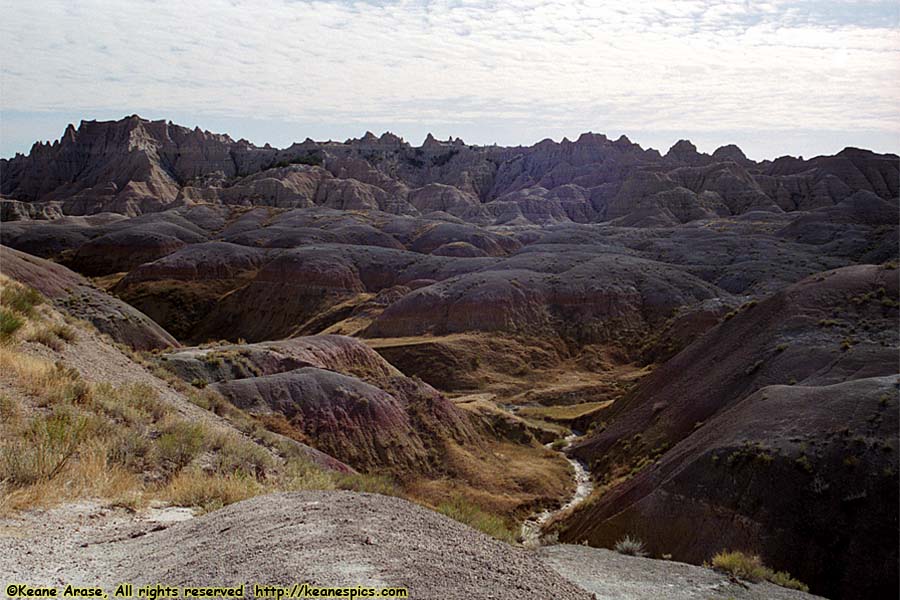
(722, 331)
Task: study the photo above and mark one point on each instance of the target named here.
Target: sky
(799, 77)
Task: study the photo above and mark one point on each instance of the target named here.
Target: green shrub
(132, 448)
(43, 449)
(235, 454)
(9, 323)
(740, 565)
(20, 298)
(299, 474)
(784, 579)
(180, 444)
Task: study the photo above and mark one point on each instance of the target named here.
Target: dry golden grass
(564, 413)
(506, 479)
(62, 438)
(210, 491)
(484, 406)
(90, 474)
(750, 567)
(464, 511)
(108, 282)
(11, 410)
(48, 383)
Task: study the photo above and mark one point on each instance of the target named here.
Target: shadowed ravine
(532, 527)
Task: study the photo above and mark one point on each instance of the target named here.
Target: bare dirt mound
(339, 539)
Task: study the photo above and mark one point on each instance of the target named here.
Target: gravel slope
(339, 538)
(335, 538)
(612, 576)
(331, 538)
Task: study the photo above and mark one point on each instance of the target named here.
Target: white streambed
(532, 526)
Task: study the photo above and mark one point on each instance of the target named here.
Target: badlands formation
(720, 333)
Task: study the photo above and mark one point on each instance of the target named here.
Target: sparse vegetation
(749, 567)
(753, 368)
(558, 444)
(630, 546)
(43, 448)
(180, 443)
(803, 462)
(466, 512)
(9, 323)
(45, 336)
(124, 442)
(19, 298)
(210, 491)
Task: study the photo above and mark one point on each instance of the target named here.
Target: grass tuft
(630, 546)
(211, 491)
(10, 323)
(368, 483)
(19, 298)
(461, 510)
(750, 567)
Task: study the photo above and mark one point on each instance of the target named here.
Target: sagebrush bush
(180, 443)
(42, 448)
(235, 454)
(133, 449)
(9, 323)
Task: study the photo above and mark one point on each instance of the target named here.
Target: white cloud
(695, 65)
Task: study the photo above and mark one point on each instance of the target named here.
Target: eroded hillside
(720, 333)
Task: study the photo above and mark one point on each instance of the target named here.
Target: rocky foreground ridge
(342, 539)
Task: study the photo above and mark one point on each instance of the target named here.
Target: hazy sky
(778, 77)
